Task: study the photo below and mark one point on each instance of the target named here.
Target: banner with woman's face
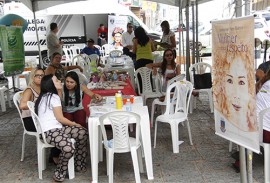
(117, 25)
(234, 81)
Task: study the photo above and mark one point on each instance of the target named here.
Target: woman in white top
(168, 37)
(167, 67)
(58, 129)
(263, 102)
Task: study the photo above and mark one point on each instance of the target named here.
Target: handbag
(202, 81)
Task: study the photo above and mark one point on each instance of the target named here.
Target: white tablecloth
(124, 63)
(95, 137)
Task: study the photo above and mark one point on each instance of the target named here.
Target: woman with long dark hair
(168, 68)
(143, 48)
(72, 99)
(59, 130)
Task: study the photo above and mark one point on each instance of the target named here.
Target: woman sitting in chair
(31, 93)
(59, 130)
(168, 67)
(72, 99)
(57, 69)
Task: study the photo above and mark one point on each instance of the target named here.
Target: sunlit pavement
(208, 160)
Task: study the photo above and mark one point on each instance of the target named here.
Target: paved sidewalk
(208, 160)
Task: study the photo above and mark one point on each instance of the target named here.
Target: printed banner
(11, 42)
(117, 25)
(234, 81)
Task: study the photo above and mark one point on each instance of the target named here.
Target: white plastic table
(125, 64)
(95, 136)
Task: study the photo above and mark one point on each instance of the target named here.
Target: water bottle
(118, 100)
(128, 105)
(115, 78)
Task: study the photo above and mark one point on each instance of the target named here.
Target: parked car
(263, 15)
(261, 31)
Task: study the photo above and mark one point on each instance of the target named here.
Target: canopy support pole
(34, 13)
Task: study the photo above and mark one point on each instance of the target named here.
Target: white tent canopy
(36, 5)
(89, 7)
(179, 3)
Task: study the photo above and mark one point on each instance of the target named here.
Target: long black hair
(73, 75)
(164, 62)
(166, 26)
(141, 36)
(46, 88)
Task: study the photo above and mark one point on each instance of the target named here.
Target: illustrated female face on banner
(236, 91)
(117, 38)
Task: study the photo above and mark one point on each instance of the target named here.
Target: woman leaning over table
(168, 67)
(143, 48)
(72, 98)
(31, 93)
(59, 130)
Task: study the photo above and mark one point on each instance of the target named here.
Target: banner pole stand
(249, 166)
(243, 169)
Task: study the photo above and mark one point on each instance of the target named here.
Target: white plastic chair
(25, 75)
(78, 60)
(115, 53)
(42, 144)
(179, 113)
(201, 68)
(147, 88)
(3, 90)
(106, 49)
(68, 56)
(16, 99)
(158, 102)
(121, 141)
(94, 59)
(266, 146)
(75, 50)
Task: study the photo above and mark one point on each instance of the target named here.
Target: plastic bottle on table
(128, 105)
(118, 100)
(115, 77)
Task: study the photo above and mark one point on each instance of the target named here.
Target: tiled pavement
(208, 160)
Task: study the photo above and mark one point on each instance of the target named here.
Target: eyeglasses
(130, 27)
(168, 55)
(70, 101)
(38, 75)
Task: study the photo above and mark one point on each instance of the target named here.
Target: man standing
(53, 43)
(127, 41)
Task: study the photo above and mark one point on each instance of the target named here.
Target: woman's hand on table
(97, 97)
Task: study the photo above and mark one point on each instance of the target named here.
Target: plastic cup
(131, 99)
(124, 101)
